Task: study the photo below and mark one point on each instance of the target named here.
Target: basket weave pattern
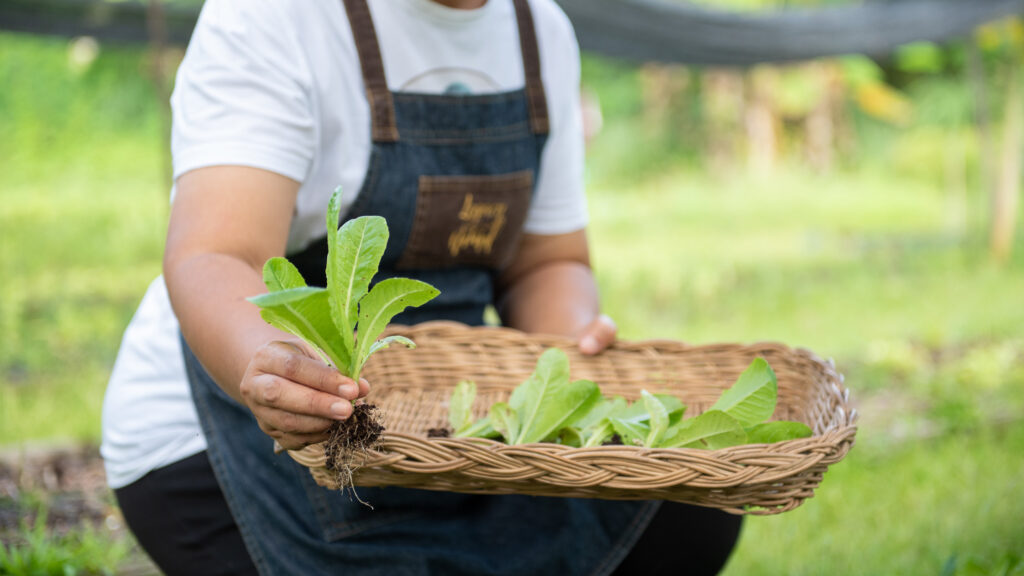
(412, 388)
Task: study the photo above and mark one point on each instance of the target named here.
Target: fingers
(288, 361)
(292, 431)
(294, 396)
(292, 441)
(598, 335)
(294, 415)
(277, 423)
(277, 393)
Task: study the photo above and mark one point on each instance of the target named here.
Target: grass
(82, 210)
(862, 267)
(865, 265)
(903, 510)
(79, 248)
(82, 550)
(820, 262)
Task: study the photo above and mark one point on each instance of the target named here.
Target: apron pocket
(468, 220)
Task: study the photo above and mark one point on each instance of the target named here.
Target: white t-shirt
(276, 84)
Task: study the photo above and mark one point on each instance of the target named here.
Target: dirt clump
(615, 440)
(350, 440)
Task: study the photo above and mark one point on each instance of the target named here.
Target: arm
(550, 288)
(225, 223)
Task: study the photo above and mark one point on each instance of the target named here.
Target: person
(420, 110)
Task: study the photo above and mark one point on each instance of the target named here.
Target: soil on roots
(349, 442)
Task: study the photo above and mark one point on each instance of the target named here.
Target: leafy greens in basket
(548, 407)
(330, 319)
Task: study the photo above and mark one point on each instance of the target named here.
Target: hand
(598, 335)
(294, 396)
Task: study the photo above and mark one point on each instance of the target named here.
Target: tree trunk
(722, 105)
(819, 125)
(761, 120)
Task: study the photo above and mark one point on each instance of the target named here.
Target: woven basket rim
(312, 455)
(783, 473)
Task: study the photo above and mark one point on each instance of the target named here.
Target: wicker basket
(412, 387)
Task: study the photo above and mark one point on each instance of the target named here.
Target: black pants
(683, 539)
(179, 516)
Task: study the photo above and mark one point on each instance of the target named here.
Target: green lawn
(82, 215)
(80, 243)
(859, 265)
(909, 509)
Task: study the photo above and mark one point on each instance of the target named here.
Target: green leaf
(285, 296)
(505, 421)
(598, 435)
(354, 254)
(600, 411)
(387, 342)
(658, 418)
(751, 400)
(637, 411)
(673, 405)
(280, 274)
(385, 301)
(547, 402)
(634, 412)
(772, 432)
(595, 428)
(631, 422)
(460, 406)
(569, 437)
(299, 309)
(713, 429)
(632, 432)
(480, 429)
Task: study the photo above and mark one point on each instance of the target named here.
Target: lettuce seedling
(654, 421)
(539, 409)
(751, 399)
(737, 417)
(634, 423)
(329, 319)
(713, 429)
(547, 401)
(460, 414)
(596, 429)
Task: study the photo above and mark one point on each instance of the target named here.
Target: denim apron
(454, 176)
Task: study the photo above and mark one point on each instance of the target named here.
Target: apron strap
(382, 107)
(531, 68)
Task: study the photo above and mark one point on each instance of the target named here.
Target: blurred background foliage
(842, 204)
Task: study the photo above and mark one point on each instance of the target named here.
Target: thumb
(598, 335)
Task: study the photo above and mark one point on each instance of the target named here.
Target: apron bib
(454, 176)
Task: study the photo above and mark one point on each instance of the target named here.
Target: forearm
(208, 293)
(226, 222)
(556, 298)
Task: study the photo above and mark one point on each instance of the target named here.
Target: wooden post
(760, 119)
(156, 24)
(819, 124)
(983, 121)
(1006, 195)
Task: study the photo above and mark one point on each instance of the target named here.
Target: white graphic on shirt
(451, 81)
